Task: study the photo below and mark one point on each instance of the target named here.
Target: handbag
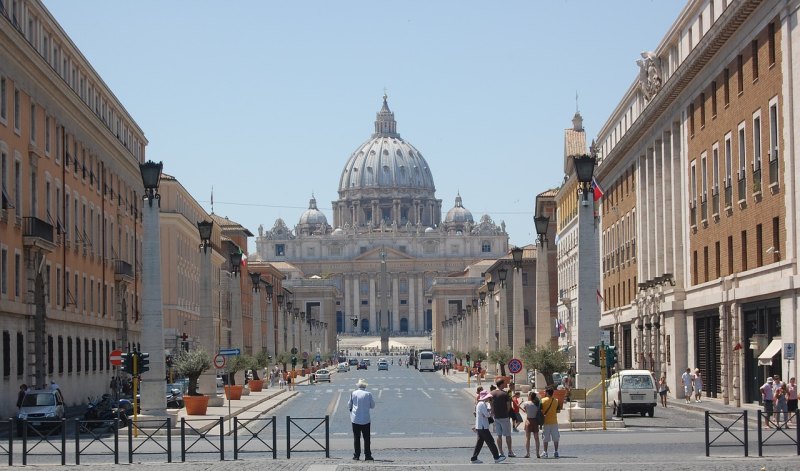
(540, 415)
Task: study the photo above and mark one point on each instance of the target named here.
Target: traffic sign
(305, 355)
(788, 351)
(514, 365)
(115, 357)
(219, 361)
(230, 352)
(294, 350)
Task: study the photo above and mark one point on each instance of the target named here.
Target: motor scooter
(101, 412)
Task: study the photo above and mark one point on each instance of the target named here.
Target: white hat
(362, 383)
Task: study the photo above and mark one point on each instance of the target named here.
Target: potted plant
(501, 357)
(259, 361)
(192, 364)
(477, 355)
(547, 360)
(235, 364)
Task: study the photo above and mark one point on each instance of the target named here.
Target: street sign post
(514, 365)
(230, 352)
(219, 361)
(115, 357)
(788, 351)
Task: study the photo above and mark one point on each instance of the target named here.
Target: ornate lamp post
(518, 310)
(255, 335)
(588, 308)
(208, 380)
(152, 339)
(491, 334)
(280, 346)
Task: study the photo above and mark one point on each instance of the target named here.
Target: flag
(560, 327)
(598, 190)
(244, 258)
(600, 299)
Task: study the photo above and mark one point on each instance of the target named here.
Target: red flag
(598, 190)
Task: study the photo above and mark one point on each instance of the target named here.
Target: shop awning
(772, 349)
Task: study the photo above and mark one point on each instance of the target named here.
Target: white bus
(425, 361)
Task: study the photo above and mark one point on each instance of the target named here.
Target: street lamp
(152, 335)
(584, 170)
(502, 273)
(482, 295)
(236, 262)
(205, 227)
(255, 278)
(516, 255)
(208, 341)
(541, 223)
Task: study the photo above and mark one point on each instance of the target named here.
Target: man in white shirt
(360, 403)
(767, 390)
(688, 380)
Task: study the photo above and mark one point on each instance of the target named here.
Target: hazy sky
(265, 101)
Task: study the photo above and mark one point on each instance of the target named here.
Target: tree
(500, 357)
(458, 356)
(236, 364)
(476, 355)
(192, 364)
(260, 360)
(283, 359)
(546, 359)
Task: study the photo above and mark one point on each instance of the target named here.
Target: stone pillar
(736, 336)
(502, 316)
(725, 349)
(208, 380)
(153, 382)
(588, 312)
(256, 336)
(237, 330)
(270, 340)
(395, 324)
(544, 324)
(356, 303)
(491, 320)
(412, 303)
(518, 315)
(373, 301)
(349, 311)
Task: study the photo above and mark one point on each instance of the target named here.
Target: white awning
(772, 349)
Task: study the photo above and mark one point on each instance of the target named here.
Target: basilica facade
(388, 241)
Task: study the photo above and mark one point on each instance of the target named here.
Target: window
(6, 354)
(17, 275)
(17, 106)
(705, 263)
(773, 141)
(78, 354)
(4, 271)
(759, 245)
(740, 73)
(717, 256)
(776, 239)
(730, 255)
(691, 119)
(47, 134)
(744, 250)
(704, 176)
(728, 160)
(5, 198)
(524, 278)
(20, 354)
(3, 100)
(50, 355)
(364, 302)
(756, 142)
(280, 250)
(86, 354)
(33, 124)
(486, 247)
(18, 186)
(702, 110)
(713, 98)
(754, 49)
(60, 354)
(69, 354)
(726, 88)
(771, 33)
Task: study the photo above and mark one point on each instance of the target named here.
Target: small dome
(313, 215)
(338, 231)
(459, 214)
(429, 230)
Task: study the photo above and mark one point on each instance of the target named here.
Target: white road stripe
(425, 393)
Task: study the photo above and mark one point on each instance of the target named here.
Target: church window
(403, 302)
(364, 302)
(280, 250)
(486, 246)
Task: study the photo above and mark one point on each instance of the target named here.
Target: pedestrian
(688, 382)
(23, 390)
(360, 403)
(779, 394)
(481, 427)
(550, 408)
(531, 407)
(663, 389)
(698, 385)
(478, 392)
(767, 398)
(516, 417)
(501, 411)
(791, 397)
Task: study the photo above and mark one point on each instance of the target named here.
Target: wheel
(642, 413)
(651, 412)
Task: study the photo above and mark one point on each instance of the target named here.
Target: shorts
(687, 391)
(792, 403)
(502, 427)
(531, 426)
(768, 406)
(550, 433)
(662, 393)
(516, 416)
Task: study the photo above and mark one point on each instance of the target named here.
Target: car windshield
(42, 399)
(637, 382)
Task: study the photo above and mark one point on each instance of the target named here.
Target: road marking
(341, 433)
(426, 433)
(429, 396)
(397, 433)
(333, 406)
(380, 393)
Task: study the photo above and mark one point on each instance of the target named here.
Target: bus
(425, 361)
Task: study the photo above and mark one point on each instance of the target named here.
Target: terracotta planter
(196, 405)
(256, 385)
(507, 378)
(234, 392)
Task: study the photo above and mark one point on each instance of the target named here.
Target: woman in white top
(482, 415)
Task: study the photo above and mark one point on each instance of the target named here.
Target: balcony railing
(757, 180)
(728, 195)
(123, 268)
(773, 171)
(38, 228)
(742, 188)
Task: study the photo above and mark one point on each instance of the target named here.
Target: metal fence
(777, 433)
(252, 430)
(97, 433)
(307, 432)
(150, 430)
(725, 421)
(200, 443)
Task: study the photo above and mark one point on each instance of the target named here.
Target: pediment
(374, 254)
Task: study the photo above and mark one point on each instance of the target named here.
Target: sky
(265, 101)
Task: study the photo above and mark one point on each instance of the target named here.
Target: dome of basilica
(459, 214)
(313, 215)
(386, 161)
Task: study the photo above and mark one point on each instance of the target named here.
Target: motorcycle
(102, 411)
(174, 398)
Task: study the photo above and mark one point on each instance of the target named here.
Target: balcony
(693, 214)
(742, 188)
(37, 233)
(728, 196)
(123, 271)
(773, 171)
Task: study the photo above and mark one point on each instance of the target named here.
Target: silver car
(42, 407)
(322, 375)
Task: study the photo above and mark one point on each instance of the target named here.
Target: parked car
(383, 365)
(362, 365)
(631, 391)
(343, 367)
(322, 375)
(41, 408)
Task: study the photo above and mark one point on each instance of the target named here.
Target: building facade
(698, 221)
(70, 219)
(387, 215)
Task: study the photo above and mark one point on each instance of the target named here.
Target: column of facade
(588, 309)
(396, 211)
(491, 321)
(735, 334)
(412, 303)
(502, 316)
(726, 350)
(658, 217)
(357, 301)
(348, 306)
(395, 324)
(518, 322)
(208, 380)
(256, 336)
(373, 301)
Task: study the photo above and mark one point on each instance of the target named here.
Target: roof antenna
(212, 199)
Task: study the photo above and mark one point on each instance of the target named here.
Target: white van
(631, 391)
(425, 361)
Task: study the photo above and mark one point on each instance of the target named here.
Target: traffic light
(611, 357)
(294, 361)
(144, 362)
(594, 355)
(127, 363)
(467, 359)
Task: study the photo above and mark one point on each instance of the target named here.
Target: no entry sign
(219, 361)
(115, 357)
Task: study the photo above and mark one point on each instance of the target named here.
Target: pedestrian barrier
(254, 428)
(778, 433)
(43, 440)
(202, 443)
(150, 428)
(307, 434)
(726, 429)
(8, 449)
(98, 431)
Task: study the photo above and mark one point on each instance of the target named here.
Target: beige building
(70, 224)
(698, 222)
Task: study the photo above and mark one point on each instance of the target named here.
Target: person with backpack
(534, 419)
